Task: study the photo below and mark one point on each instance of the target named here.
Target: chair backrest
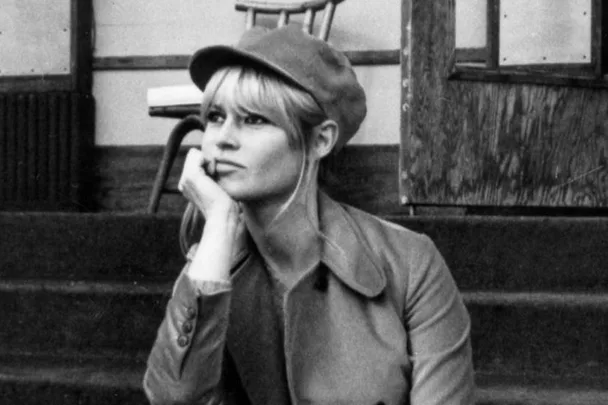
(285, 10)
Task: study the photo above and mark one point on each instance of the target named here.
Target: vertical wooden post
(309, 20)
(328, 16)
(250, 19)
(598, 53)
(406, 98)
(283, 18)
(493, 34)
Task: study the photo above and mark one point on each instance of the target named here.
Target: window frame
(482, 64)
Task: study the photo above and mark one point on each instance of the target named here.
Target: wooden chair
(285, 10)
(191, 121)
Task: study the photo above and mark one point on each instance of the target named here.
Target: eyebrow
(215, 106)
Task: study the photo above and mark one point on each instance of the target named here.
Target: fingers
(210, 167)
(198, 186)
(192, 167)
(196, 165)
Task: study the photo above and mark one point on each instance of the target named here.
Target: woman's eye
(215, 116)
(254, 119)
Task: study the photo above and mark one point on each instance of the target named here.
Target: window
(539, 41)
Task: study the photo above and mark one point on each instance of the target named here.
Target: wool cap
(301, 59)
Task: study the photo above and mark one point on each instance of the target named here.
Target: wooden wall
(122, 176)
(496, 144)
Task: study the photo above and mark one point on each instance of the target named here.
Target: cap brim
(205, 62)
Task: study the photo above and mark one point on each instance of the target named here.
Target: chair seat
(166, 96)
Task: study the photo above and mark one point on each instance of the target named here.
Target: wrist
(223, 218)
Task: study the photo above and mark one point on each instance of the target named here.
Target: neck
(261, 216)
(286, 235)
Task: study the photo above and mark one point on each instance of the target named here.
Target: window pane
(545, 32)
(34, 37)
(471, 19)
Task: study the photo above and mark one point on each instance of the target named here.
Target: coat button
(187, 327)
(191, 313)
(182, 341)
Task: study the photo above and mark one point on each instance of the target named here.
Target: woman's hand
(224, 234)
(198, 186)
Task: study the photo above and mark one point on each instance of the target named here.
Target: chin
(239, 193)
(257, 196)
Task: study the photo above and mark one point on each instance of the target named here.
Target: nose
(220, 136)
(226, 136)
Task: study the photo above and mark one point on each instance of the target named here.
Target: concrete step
(484, 253)
(521, 253)
(78, 247)
(115, 379)
(85, 317)
(543, 333)
(108, 379)
(540, 389)
(91, 287)
(515, 332)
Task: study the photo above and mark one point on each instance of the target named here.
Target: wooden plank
(3, 147)
(604, 43)
(157, 62)
(21, 147)
(571, 76)
(597, 40)
(10, 134)
(471, 55)
(53, 151)
(42, 147)
(64, 158)
(491, 144)
(32, 139)
(135, 62)
(406, 96)
(493, 33)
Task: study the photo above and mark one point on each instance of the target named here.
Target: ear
(325, 136)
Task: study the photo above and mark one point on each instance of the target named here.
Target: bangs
(248, 90)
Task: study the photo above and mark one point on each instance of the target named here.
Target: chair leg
(179, 132)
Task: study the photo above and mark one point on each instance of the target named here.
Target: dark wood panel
(364, 176)
(156, 62)
(43, 138)
(498, 144)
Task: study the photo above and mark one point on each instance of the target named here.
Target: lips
(228, 164)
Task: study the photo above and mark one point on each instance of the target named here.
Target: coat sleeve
(185, 363)
(439, 333)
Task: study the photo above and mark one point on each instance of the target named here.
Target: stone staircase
(82, 296)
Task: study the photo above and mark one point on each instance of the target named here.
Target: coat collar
(293, 240)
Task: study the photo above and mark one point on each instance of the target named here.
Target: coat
(379, 320)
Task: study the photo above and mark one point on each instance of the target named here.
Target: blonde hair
(249, 90)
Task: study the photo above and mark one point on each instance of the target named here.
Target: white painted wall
(155, 27)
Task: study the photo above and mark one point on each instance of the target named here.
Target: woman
(289, 297)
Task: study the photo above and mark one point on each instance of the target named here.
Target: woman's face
(255, 161)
